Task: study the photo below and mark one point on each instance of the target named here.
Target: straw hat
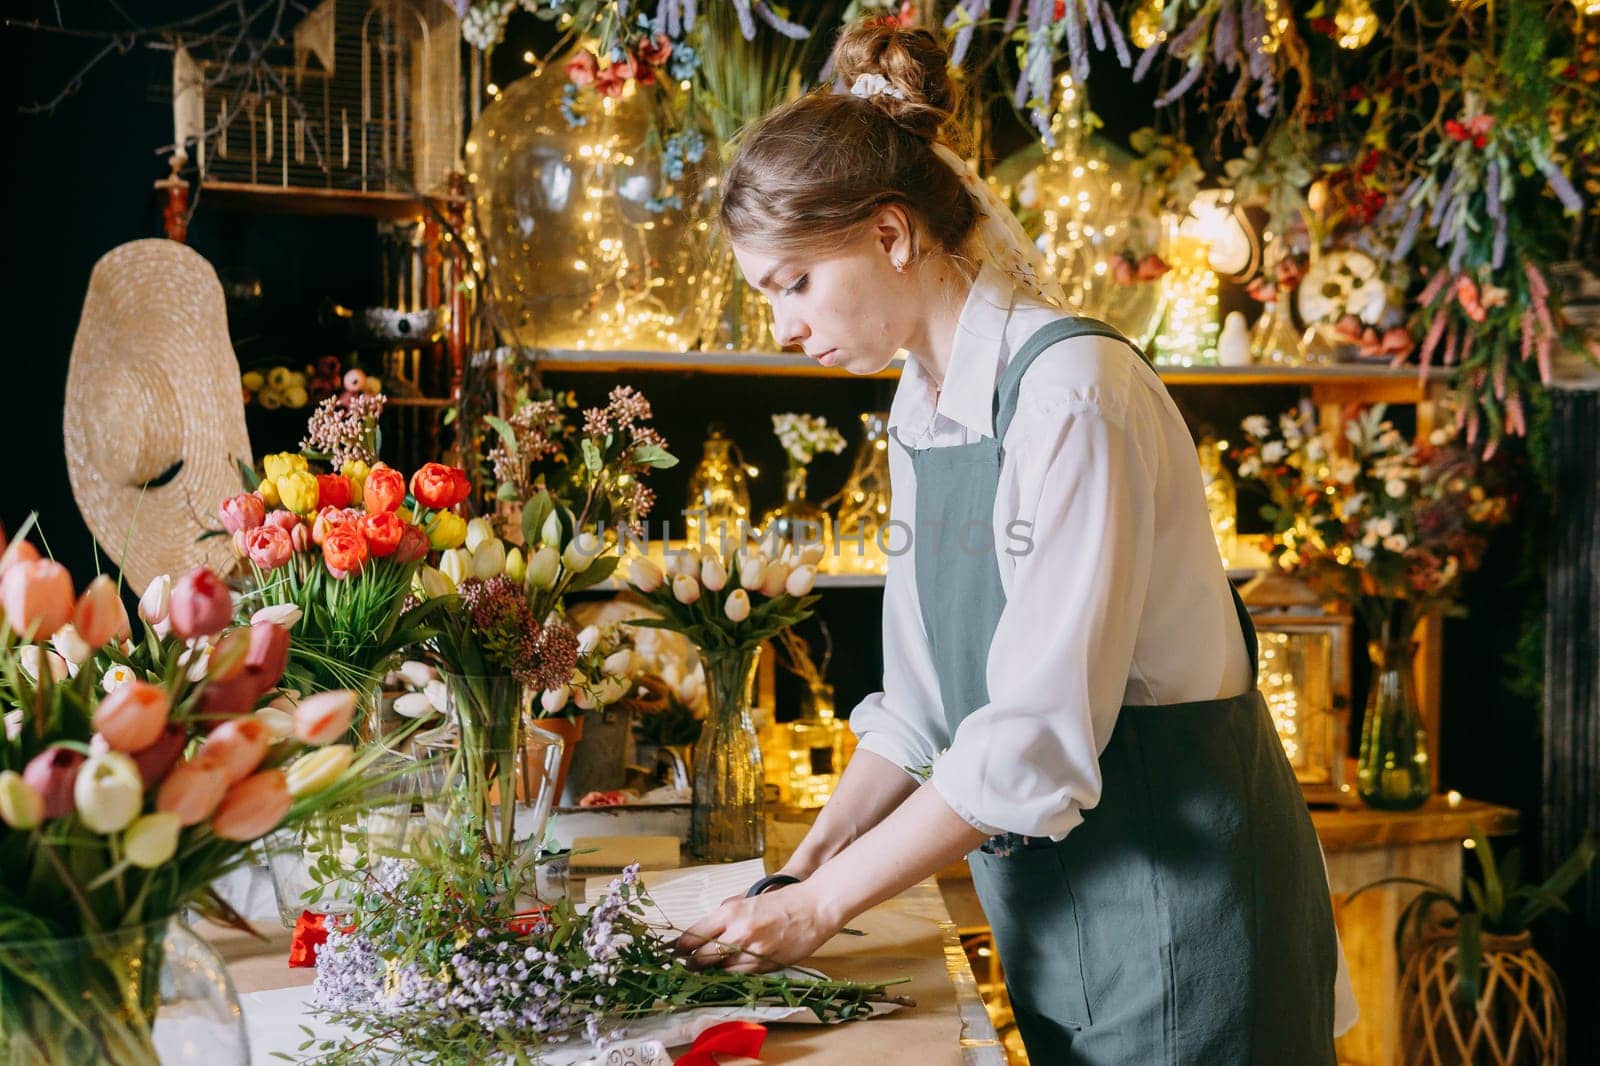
(154, 384)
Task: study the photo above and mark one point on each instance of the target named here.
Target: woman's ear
(894, 233)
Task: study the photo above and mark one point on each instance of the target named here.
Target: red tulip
(201, 606)
(154, 761)
(413, 546)
(52, 774)
(225, 700)
(333, 490)
(268, 656)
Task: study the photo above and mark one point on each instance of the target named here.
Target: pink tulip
(51, 774)
(154, 761)
(243, 512)
(20, 552)
(268, 656)
(227, 659)
(37, 597)
(323, 718)
(413, 546)
(300, 537)
(268, 546)
(100, 615)
(284, 520)
(253, 807)
(132, 717)
(201, 606)
(223, 700)
(237, 747)
(192, 790)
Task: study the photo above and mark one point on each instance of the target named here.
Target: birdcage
(371, 102)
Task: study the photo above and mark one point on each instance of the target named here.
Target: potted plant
(1474, 988)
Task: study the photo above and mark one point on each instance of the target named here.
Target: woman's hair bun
(913, 61)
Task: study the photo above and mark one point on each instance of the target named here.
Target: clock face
(1339, 283)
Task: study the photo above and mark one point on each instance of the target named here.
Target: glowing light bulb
(1356, 22)
(1587, 7)
(1144, 25)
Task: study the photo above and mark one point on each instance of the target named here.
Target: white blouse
(1121, 601)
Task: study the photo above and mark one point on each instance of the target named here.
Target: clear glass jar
(727, 813)
(138, 996)
(718, 513)
(816, 749)
(1392, 772)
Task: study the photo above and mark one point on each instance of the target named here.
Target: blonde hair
(812, 172)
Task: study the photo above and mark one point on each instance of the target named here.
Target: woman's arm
(922, 836)
(871, 787)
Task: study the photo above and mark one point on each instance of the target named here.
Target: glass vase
(1392, 773)
(795, 522)
(719, 496)
(495, 771)
(728, 821)
(864, 501)
(137, 996)
(1273, 340)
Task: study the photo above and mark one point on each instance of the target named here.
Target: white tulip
(810, 555)
(583, 550)
(550, 533)
(456, 565)
(737, 607)
(279, 722)
(588, 639)
(685, 589)
(772, 582)
(198, 659)
(283, 614)
(713, 575)
(434, 583)
(488, 559)
(438, 694)
(542, 567)
(610, 691)
(619, 663)
(799, 582)
(685, 562)
(157, 598)
(152, 839)
(516, 565)
(108, 792)
(752, 572)
(414, 705)
(32, 656)
(117, 676)
(584, 699)
(417, 673)
(479, 531)
(70, 643)
(554, 699)
(646, 575)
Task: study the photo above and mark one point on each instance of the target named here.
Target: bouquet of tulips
(502, 633)
(343, 549)
(728, 608)
(133, 774)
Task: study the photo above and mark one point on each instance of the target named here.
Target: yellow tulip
(283, 464)
(298, 491)
(447, 530)
(314, 772)
(357, 472)
(269, 493)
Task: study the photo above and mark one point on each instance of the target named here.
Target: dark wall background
(79, 183)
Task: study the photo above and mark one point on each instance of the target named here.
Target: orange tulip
(100, 615)
(192, 790)
(132, 717)
(237, 747)
(253, 807)
(37, 597)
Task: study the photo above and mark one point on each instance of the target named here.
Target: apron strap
(1054, 332)
(1251, 645)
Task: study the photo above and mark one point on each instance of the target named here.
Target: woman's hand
(759, 933)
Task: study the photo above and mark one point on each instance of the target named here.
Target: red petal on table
(310, 930)
(729, 1038)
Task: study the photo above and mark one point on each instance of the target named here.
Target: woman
(1060, 641)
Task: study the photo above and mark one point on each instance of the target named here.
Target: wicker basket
(1519, 1018)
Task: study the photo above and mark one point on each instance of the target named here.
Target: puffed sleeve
(905, 722)
(1027, 762)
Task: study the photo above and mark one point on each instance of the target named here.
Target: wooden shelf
(294, 200)
(1398, 384)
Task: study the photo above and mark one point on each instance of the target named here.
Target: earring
(900, 266)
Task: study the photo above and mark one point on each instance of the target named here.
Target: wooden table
(1362, 846)
(908, 936)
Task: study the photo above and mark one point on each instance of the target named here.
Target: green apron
(1187, 918)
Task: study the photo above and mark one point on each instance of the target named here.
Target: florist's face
(842, 309)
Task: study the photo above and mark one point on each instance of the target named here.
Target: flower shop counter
(910, 935)
(1361, 846)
